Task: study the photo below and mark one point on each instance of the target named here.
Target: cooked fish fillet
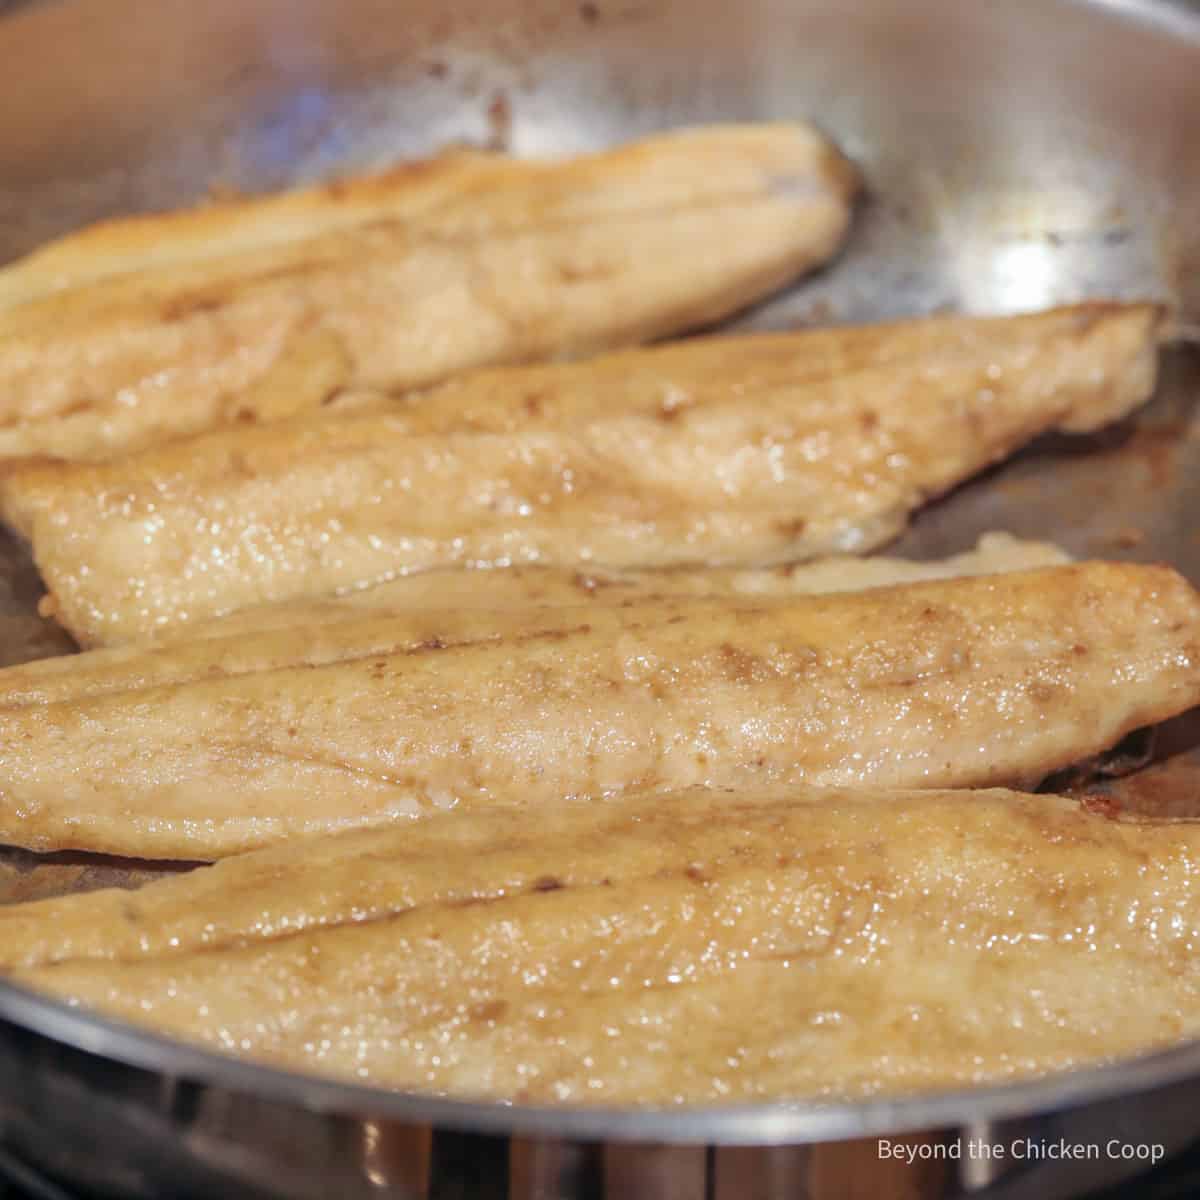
(671, 949)
(527, 588)
(158, 326)
(445, 606)
(733, 452)
(963, 682)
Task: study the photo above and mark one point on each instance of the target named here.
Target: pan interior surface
(1018, 155)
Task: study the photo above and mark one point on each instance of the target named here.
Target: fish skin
(735, 452)
(453, 606)
(956, 683)
(781, 943)
(157, 327)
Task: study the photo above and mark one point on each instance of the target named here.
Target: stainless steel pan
(1019, 154)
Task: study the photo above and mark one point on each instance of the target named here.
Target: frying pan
(1018, 154)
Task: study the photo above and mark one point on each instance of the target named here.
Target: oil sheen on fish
(726, 452)
(964, 682)
(669, 949)
(158, 326)
(454, 605)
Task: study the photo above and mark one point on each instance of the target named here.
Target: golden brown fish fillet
(159, 326)
(670, 949)
(964, 682)
(453, 606)
(732, 451)
(536, 587)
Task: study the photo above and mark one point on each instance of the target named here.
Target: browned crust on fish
(964, 682)
(249, 312)
(669, 949)
(723, 452)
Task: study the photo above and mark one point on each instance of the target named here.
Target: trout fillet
(530, 588)
(727, 452)
(442, 606)
(159, 326)
(667, 949)
(964, 682)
